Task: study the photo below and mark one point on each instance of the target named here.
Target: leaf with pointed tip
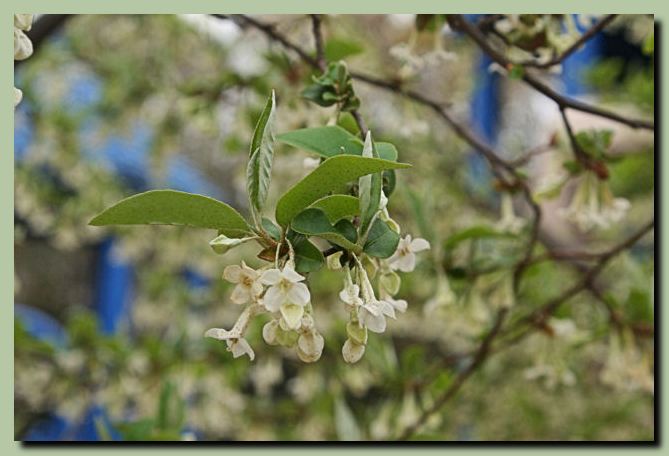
(328, 177)
(259, 169)
(369, 189)
(171, 207)
(333, 140)
(381, 240)
(314, 222)
(337, 207)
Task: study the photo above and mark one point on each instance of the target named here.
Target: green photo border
(8, 7)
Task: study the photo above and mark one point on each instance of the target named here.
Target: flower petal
(298, 294)
(419, 244)
(292, 315)
(240, 295)
(273, 298)
(290, 275)
(406, 263)
(232, 273)
(271, 277)
(220, 334)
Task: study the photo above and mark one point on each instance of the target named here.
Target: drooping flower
(373, 314)
(249, 288)
(593, 205)
(399, 305)
(404, 258)
(509, 221)
(286, 293)
(237, 345)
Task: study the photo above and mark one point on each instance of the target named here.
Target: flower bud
(390, 282)
(222, 243)
(23, 21)
(286, 338)
(352, 352)
(270, 332)
(310, 347)
(356, 333)
(334, 261)
(23, 48)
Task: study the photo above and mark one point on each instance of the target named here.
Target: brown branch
(318, 40)
(584, 38)
(458, 22)
(479, 358)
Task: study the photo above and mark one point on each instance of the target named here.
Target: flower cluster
(593, 205)
(282, 293)
(23, 47)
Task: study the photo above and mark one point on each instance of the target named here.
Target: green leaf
(259, 169)
(340, 48)
(271, 229)
(333, 140)
(337, 207)
(307, 256)
(476, 232)
(328, 177)
(381, 240)
(594, 142)
(314, 222)
(369, 189)
(171, 207)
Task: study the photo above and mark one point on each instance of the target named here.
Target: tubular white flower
(593, 205)
(509, 222)
(285, 288)
(404, 258)
(399, 305)
(373, 314)
(248, 283)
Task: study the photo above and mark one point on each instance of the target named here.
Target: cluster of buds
(23, 47)
(593, 204)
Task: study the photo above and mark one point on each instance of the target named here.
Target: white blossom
(23, 47)
(286, 294)
(509, 222)
(249, 287)
(237, 345)
(593, 205)
(373, 314)
(404, 258)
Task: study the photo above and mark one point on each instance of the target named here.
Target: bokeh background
(109, 323)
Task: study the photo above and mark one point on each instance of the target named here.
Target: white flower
(373, 314)
(286, 294)
(593, 205)
(404, 257)
(352, 351)
(248, 283)
(399, 305)
(509, 222)
(236, 344)
(351, 295)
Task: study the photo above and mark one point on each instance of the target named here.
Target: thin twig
(460, 23)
